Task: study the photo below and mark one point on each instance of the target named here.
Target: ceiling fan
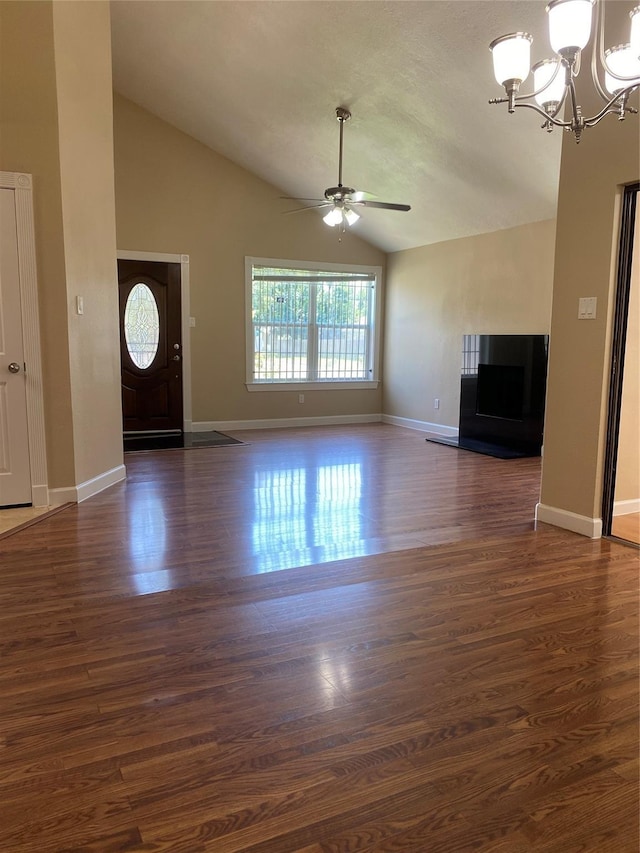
(342, 201)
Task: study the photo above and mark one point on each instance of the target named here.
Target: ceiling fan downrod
(342, 114)
(339, 193)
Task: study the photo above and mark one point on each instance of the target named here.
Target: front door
(15, 470)
(150, 345)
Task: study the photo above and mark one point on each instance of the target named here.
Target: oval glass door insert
(141, 326)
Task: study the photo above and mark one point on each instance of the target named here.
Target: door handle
(14, 367)
(176, 358)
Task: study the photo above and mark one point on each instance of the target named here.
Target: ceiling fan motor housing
(338, 193)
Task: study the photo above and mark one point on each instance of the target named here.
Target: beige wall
(591, 175)
(627, 486)
(175, 195)
(496, 283)
(29, 143)
(85, 121)
(55, 123)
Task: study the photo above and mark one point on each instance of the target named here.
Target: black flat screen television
(500, 391)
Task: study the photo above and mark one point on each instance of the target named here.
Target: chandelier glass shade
(570, 25)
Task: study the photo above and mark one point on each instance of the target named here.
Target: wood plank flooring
(627, 527)
(329, 640)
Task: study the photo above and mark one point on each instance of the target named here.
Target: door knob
(14, 367)
(176, 358)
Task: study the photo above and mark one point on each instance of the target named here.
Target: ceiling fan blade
(362, 195)
(309, 207)
(299, 198)
(385, 205)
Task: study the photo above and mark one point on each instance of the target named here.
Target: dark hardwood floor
(327, 640)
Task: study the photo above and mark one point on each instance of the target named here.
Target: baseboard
(40, 495)
(65, 495)
(626, 507)
(582, 524)
(422, 426)
(280, 423)
(79, 493)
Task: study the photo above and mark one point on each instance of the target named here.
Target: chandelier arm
(542, 88)
(592, 122)
(598, 52)
(576, 67)
(588, 122)
(598, 47)
(608, 107)
(546, 116)
(575, 109)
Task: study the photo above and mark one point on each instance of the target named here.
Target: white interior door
(15, 473)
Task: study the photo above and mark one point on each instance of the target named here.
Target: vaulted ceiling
(259, 83)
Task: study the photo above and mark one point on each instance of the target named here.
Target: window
(470, 354)
(141, 326)
(311, 325)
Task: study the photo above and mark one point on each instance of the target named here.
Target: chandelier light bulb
(511, 57)
(569, 24)
(623, 62)
(543, 78)
(351, 216)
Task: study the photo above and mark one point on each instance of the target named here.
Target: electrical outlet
(436, 402)
(301, 398)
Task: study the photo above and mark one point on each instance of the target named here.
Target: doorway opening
(621, 495)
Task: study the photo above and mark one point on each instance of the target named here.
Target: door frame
(22, 185)
(629, 206)
(183, 260)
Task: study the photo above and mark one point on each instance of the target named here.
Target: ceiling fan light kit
(340, 215)
(342, 200)
(570, 23)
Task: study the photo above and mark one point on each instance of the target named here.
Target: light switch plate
(587, 306)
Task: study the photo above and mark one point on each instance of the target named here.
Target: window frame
(317, 384)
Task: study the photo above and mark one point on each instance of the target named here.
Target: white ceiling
(259, 83)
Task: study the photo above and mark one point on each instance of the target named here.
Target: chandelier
(554, 79)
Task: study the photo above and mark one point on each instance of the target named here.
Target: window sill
(357, 385)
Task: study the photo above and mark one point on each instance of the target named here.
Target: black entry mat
(182, 441)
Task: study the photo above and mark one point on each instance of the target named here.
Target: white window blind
(311, 325)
